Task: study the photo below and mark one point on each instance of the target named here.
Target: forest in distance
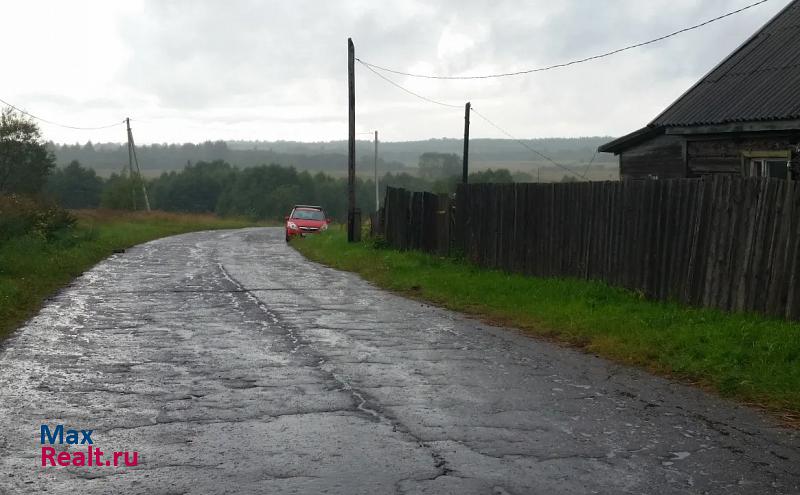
(262, 180)
(241, 179)
(258, 192)
(331, 157)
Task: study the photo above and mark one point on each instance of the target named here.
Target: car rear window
(308, 215)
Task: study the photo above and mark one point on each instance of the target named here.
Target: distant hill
(107, 158)
(330, 157)
(407, 152)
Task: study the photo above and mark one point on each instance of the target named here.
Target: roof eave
(622, 143)
(767, 125)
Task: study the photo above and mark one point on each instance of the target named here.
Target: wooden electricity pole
(377, 198)
(353, 230)
(132, 159)
(130, 164)
(465, 171)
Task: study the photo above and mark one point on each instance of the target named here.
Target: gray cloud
(278, 68)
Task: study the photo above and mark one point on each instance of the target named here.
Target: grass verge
(32, 268)
(749, 358)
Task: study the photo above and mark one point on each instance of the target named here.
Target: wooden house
(743, 117)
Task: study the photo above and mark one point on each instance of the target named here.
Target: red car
(305, 219)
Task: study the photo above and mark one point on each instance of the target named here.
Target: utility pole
(377, 198)
(131, 160)
(353, 223)
(465, 171)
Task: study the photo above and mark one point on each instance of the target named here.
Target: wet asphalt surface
(232, 365)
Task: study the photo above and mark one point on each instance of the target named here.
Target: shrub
(21, 215)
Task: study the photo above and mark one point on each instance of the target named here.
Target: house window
(774, 164)
(761, 167)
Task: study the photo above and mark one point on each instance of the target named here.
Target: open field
(32, 268)
(547, 172)
(752, 359)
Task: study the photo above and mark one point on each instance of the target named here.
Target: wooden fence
(728, 242)
(419, 220)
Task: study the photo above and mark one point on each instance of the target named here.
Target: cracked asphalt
(232, 365)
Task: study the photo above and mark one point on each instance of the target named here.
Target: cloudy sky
(194, 70)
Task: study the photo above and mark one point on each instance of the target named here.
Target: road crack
(362, 401)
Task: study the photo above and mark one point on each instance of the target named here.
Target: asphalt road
(232, 365)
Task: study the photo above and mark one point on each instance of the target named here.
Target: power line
(429, 100)
(586, 170)
(526, 145)
(472, 109)
(573, 62)
(60, 125)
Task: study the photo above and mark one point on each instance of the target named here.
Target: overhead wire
(376, 68)
(472, 110)
(525, 145)
(572, 62)
(586, 170)
(429, 100)
(60, 125)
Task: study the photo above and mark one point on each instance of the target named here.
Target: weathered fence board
(725, 242)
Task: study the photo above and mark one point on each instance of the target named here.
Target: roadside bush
(21, 215)
(379, 242)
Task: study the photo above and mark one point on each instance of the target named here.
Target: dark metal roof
(759, 81)
(629, 140)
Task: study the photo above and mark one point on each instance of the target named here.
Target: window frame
(749, 156)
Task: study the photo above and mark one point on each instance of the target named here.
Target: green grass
(750, 358)
(31, 268)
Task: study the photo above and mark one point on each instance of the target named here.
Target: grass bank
(32, 268)
(752, 359)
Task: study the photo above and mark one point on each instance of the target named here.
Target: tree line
(259, 192)
(265, 191)
(165, 157)
(327, 156)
